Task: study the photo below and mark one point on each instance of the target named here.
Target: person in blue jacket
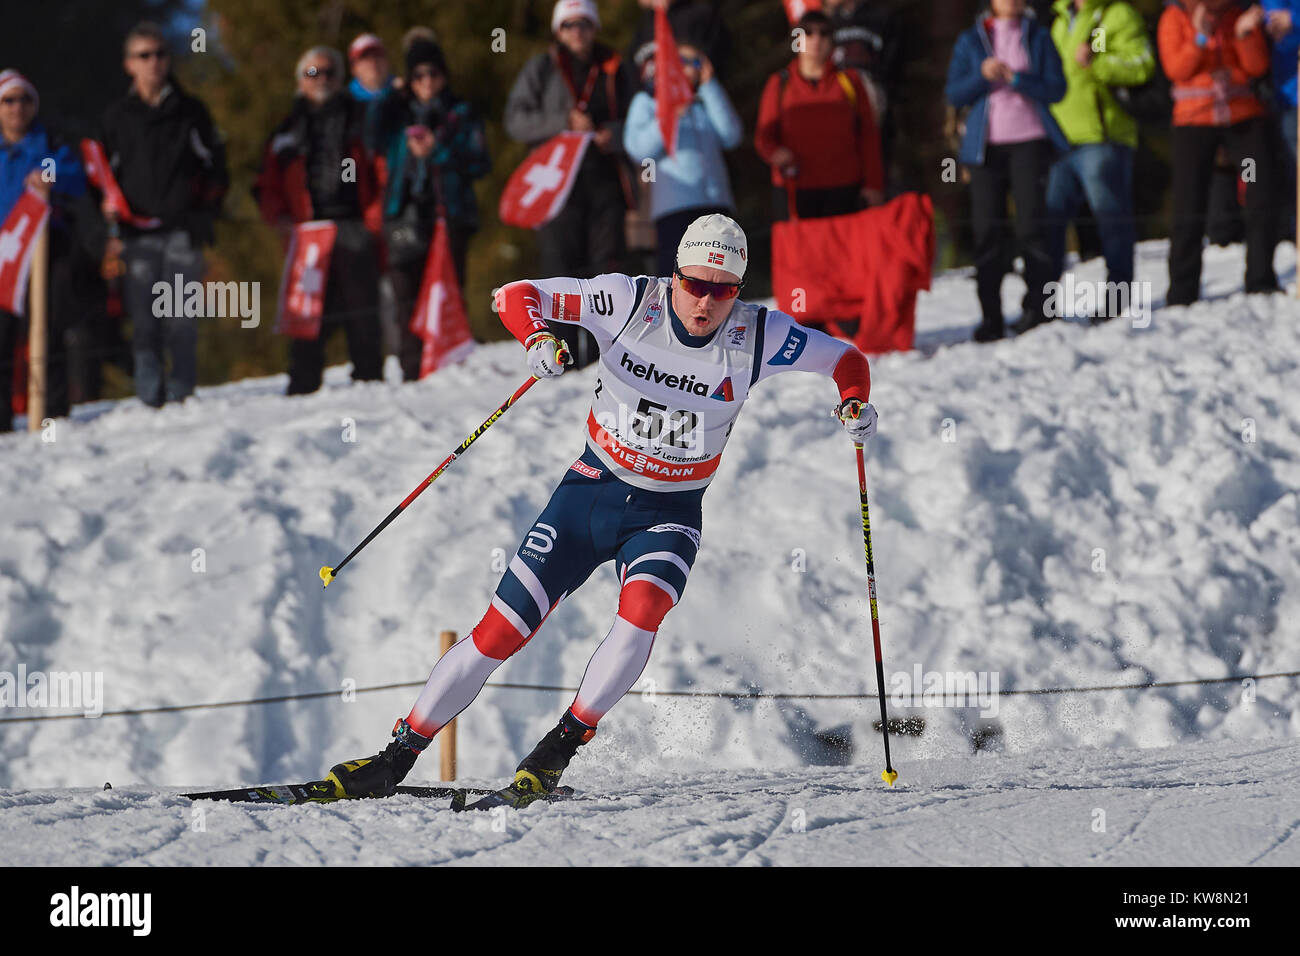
(1007, 71)
(1283, 28)
(31, 157)
(694, 181)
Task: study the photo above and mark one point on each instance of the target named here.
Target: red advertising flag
(672, 89)
(101, 177)
(439, 316)
(866, 265)
(302, 285)
(21, 226)
(540, 186)
(794, 9)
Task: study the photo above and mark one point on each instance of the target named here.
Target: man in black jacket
(171, 167)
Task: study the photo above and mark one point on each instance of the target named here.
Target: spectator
(1211, 52)
(171, 165)
(25, 146)
(433, 148)
(867, 39)
(301, 180)
(696, 22)
(1006, 69)
(578, 85)
(1103, 135)
(368, 59)
(693, 182)
(1284, 29)
(817, 131)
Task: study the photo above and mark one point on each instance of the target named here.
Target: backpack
(1151, 102)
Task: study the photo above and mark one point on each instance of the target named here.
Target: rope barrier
(717, 695)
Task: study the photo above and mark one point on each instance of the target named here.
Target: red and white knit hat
(12, 78)
(574, 10)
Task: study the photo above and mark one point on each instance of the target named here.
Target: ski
(507, 797)
(320, 791)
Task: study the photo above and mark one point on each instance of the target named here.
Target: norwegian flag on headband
(17, 243)
(672, 89)
(101, 177)
(439, 316)
(794, 9)
(302, 286)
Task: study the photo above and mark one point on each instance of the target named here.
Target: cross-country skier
(678, 357)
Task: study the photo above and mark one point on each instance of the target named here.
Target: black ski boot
(378, 776)
(538, 776)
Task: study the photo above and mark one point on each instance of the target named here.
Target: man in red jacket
(817, 131)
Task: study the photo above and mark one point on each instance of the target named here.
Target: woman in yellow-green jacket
(1103, 45)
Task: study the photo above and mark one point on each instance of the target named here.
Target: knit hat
(10, 79)
(716, 241)
(422, 51)
(574, 10)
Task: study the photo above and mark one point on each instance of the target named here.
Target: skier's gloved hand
(858, 418)
(547, 355)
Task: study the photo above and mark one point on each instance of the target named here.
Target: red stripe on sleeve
(520, 306)
(853, 375)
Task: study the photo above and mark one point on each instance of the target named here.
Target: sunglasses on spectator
(23, 98)
(577, 25)
(314, 72)
(694, 61)
(158, 53)
(700, 288)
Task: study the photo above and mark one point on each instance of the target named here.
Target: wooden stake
(448, 734)
(37, 299)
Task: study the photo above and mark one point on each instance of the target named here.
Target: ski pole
(889, 774)
(328, 574)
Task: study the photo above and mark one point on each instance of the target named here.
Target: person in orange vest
(1212, 51)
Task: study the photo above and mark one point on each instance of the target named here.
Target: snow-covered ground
(1204, 805)
(1076, 507)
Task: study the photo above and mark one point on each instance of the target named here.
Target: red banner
(540, 186)
(672, 89)
(868, 266)
(302, 286)
(439, 316)
(101, 177)
(17, 244)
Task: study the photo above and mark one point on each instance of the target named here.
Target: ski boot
(538, 775)
(378, 776)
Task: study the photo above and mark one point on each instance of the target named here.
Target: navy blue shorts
(592, 518)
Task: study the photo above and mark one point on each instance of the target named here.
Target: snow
(1076, 507)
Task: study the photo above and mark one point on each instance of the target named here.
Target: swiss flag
(672, 89)
(439, 316)
(306, 272)
(540, 187)
(101, 177)
(21, 226)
